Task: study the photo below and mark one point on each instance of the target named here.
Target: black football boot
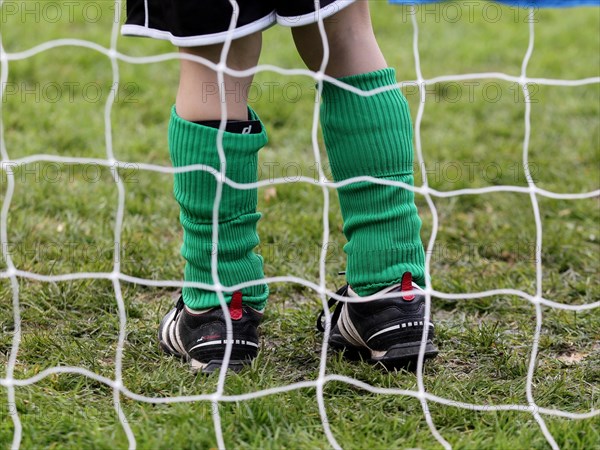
(386, 331)
(200, 337)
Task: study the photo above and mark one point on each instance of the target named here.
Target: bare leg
(198, 97)
(353, 48)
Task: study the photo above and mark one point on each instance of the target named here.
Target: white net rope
(12, 273)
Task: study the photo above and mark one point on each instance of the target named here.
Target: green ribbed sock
(373, 136)
(191, 143)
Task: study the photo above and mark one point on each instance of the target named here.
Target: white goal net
(116, 276)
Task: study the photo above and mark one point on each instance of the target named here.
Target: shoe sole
(235, 365)
(399, 356)
(213, 365)
(404, 355)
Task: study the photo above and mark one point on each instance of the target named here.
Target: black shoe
(386, 331)
(200, 337)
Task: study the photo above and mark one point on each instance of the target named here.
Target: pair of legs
(364, 135)
(353, 49)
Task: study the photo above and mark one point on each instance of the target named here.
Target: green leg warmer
(372, 136)
(191, 143)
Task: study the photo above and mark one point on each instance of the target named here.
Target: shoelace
(343, 292)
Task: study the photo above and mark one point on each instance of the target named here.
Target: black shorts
(189, 23)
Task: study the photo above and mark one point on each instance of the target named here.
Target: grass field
(61, 220)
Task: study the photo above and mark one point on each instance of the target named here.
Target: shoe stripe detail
(164, 339)
(166, 332)
(172, 329)
(178, 342)
(385, 330)
(170, 333)
(224, 342)
(395, 327)
(348, 330)
(171, 325)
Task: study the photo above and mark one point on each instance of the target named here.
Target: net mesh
(116, 276)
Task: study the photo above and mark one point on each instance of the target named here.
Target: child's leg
(353, 48)
(193, 135)
(369, 135)
(198, 98)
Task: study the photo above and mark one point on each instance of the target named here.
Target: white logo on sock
(247, 130)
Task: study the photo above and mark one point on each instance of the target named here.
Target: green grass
(61, 220)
